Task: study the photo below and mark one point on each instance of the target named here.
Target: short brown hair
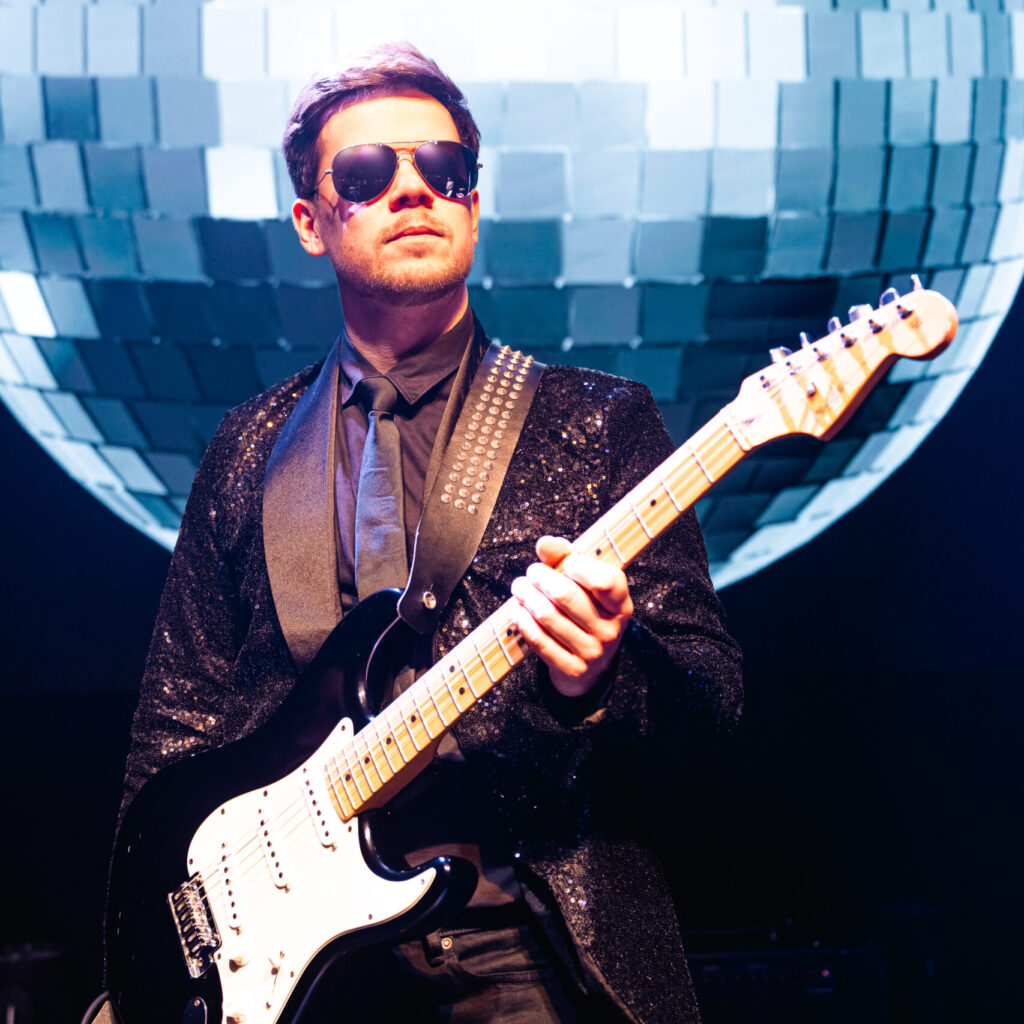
(384, 70)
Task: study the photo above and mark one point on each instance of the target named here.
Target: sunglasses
(363, 173)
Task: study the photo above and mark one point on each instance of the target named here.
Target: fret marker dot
(598, 551)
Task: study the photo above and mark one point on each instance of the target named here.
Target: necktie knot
(380, 394)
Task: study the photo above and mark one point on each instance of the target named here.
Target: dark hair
(388, 69)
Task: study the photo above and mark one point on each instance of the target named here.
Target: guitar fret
(618, 554)
(362, 763)
(439, 695)
(402, 723)
(407, 745)
(639, 519)
(370, 760)
(482, 657)
(392, 712)
(390, 743)
(385, 749)
(355, 771)
(437, 712)
(415, 724)
(451, 693)
(730, 426)
(668, 491)
(469, 686)
(348, 782)
(697, 459)
(340, 794)
(501, 644)
(379, 756)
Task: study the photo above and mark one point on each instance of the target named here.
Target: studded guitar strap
(468, 478)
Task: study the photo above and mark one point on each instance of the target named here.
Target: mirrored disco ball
(668, 191)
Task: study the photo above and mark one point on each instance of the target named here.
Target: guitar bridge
(194, 922)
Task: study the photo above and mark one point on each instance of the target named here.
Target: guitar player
(310, 497)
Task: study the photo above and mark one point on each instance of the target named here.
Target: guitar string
(720, 440)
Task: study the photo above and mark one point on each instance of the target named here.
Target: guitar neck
(812, 391)
(381, 754)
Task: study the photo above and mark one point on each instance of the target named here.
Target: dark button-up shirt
(424, 384)
(444, 810)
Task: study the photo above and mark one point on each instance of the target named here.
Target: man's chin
(418, 287)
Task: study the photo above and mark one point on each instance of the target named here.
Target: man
(571, 919)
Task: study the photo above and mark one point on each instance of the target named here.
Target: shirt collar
(414, 375)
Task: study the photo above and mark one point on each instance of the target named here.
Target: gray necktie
(380, 516)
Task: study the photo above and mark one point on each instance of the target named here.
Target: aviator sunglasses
(363, 173)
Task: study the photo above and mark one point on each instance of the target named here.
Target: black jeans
(455, 976)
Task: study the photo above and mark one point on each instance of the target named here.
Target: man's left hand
(573, 616)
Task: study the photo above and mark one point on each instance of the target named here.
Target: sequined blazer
(252, 592)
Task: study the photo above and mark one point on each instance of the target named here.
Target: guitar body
(269, 885)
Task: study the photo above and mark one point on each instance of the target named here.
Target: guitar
(233, 888)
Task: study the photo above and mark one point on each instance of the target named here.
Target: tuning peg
(916, 282)
(808, 345)
(860, 312)
(889, 295)
(834, 324)
(780, 354)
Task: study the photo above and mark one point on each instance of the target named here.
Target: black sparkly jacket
(231, 631)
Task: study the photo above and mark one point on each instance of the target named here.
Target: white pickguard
(282, 881)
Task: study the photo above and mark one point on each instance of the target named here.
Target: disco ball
(668, 190)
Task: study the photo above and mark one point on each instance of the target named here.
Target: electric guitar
(241, 874)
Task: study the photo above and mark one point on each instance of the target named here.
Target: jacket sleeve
(588, 440)
(199, 628)
(218, 664)
(678, 670)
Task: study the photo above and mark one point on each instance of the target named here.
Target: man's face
(409, 245)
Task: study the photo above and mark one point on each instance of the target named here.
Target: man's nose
(408, 186)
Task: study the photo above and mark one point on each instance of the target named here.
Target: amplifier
(791, 986)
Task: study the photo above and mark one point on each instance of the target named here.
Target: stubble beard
(417, 285)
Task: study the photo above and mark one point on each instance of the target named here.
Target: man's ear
(304, 222)
(475, 216)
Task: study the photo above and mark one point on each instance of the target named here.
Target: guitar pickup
(273, 851)
(193, 920)
(321, 812)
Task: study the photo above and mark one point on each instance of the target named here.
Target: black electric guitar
(240, 874)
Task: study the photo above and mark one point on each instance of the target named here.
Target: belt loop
(432, 949)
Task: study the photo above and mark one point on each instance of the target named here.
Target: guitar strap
(466, 479)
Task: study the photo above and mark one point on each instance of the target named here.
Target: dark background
(870, 800)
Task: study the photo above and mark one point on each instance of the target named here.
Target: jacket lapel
(299, 534)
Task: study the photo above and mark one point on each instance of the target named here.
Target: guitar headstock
(815, 389)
